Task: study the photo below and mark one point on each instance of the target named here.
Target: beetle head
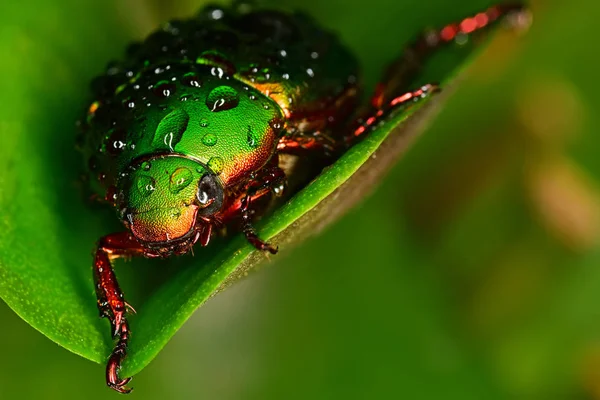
(162, 197)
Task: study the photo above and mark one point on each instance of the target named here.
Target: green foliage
(46, 283)
(472, 273)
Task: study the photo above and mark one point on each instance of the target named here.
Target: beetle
(190, 131)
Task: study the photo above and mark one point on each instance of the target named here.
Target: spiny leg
(270, 179)
(391, 94)
(396, 103)
(406, 68)
(111, 302)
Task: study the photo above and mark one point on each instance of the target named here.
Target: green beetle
(197, 127)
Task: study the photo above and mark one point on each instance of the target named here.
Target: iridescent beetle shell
(211, 95)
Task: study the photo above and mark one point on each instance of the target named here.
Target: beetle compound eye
(209, 195)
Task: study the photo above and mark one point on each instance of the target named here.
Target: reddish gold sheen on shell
(160, 225)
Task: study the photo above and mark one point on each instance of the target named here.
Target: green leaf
(47, 231)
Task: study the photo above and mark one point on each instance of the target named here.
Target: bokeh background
(472, 273)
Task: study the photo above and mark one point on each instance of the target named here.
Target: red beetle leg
(392, 93)
(403, 71)
(110, 300)
(396, 103)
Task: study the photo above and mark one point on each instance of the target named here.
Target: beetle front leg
(111, 302)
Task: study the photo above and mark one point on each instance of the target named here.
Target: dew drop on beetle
(222, 98)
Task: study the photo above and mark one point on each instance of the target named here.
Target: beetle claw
(130, 308)
(116, 358)
(112, 373)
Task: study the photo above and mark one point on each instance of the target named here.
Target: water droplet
(210, 139)
(252, 138)
(314, 55)
(275, 124)
(129, 103)
(222, 98)
(217, 14)
(216, 164)
(216, 59)
(116, 142)
(204, 122)
(216, 71)
(146, 166)
(180, 179)
(164, 89)
(279, 189)
(310, 72)
(283, 53)
(145, 185)
(171, 129)
(191, 79)
(285, 76)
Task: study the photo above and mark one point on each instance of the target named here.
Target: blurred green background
(472, 272)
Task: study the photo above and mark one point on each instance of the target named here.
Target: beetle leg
(391, 93)
(406, 68)
(270, 179)
(110, 300)
(401, 101)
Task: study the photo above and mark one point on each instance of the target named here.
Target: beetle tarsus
(249, 230)
(255, 241)
(121, 330)
(114, 362)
